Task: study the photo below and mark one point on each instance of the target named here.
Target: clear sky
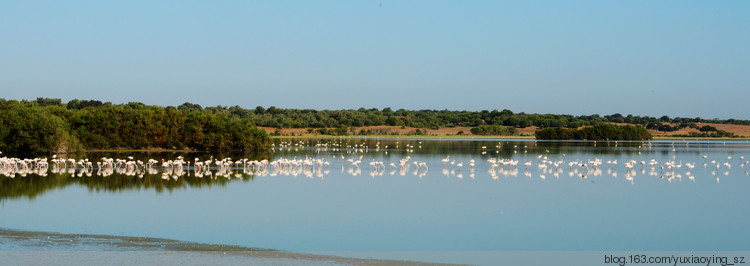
(676, 58)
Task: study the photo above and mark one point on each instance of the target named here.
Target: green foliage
(717, 134)
(434, 119)
(416, 132)
(707, 128)
(341, 131)
(92, 124)
(556, 133)
(29, 128)
(664, 127)
(494, 130)
(602, 131)
(47, 101)
(46, 126)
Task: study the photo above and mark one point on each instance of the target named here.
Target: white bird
(446, 159)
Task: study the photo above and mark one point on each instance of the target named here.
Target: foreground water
(518, 196)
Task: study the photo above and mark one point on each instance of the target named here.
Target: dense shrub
(601, 131)
(45, 126)
(707, 128)
(494, 130)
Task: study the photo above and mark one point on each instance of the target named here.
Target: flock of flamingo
(350, 158)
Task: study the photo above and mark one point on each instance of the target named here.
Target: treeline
(427, 119)
(597, 132)
(674, 127)
(48, 125)
(431, 119)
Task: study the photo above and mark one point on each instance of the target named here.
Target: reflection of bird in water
(580, 167)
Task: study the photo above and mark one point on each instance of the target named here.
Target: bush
(600, 131)
(495, 130)
(707, 128)
(341, 131)
(47, 126)
(417, 132)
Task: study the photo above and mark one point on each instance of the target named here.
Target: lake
(404, 198)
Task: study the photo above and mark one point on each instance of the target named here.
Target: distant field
(739, 130)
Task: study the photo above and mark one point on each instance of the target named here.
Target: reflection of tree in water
(34, 181)
(29, 186)
(32, 185)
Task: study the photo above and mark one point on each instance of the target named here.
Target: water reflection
(314, 159)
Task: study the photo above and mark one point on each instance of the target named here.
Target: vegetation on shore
(716, 134)
(494, 130)
(434, 119)
(597, 132)
(47, 125)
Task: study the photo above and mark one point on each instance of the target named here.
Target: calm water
(561, 201)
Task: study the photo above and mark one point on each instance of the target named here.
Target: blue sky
(676, 58)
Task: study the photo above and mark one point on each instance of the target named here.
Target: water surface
(561, 201)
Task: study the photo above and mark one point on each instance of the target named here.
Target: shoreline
(697, 138)
(92, 248)
(396, 137)
(476, 137)
(404, 137)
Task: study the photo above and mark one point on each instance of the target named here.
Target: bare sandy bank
(43, 248)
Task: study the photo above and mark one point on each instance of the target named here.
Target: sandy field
(739, 130)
